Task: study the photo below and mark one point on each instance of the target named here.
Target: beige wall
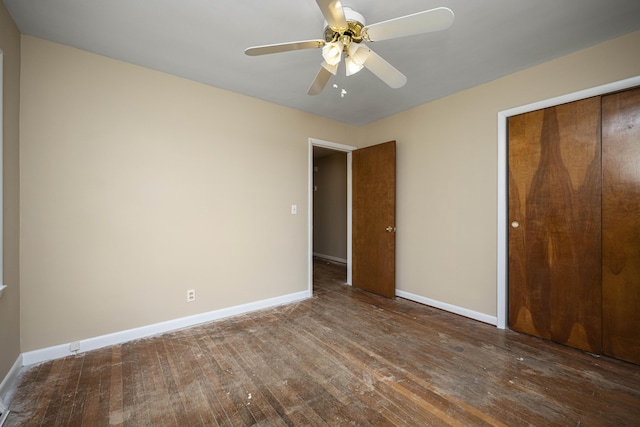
(330, 206)
(447, 172)
(138, 185)
(10, 301)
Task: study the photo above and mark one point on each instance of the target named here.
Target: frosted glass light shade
(332, 52)
(357, 56)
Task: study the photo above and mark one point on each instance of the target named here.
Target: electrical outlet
(74, 347)
(191, 295)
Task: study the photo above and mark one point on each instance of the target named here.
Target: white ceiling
(204, 40)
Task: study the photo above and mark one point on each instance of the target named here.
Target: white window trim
(2, 285)
(4, 412)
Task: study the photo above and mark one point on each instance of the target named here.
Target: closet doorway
(574, 227)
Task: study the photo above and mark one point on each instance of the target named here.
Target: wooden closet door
(621, 224)
(555, 263)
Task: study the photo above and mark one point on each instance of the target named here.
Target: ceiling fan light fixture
(332, 52)
(345, 30)
(352, 66)
(356, 57)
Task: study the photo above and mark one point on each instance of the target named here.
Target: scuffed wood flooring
(344, 357)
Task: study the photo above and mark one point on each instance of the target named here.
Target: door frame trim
(503, 254)
(313, 142)
(2, 284)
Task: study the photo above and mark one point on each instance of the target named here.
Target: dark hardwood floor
(344, 357)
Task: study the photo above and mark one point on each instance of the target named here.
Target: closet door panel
(528, 295)
(555, 221)
(621, 225)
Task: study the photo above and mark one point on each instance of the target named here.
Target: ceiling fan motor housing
(353, 32)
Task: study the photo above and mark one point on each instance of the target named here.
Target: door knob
(390, 229)
(515, 224)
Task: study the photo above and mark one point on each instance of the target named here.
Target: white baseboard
(59, 351)
(330, 258)
(492, 320)
(10, 381)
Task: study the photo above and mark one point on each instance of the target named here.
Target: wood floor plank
(232, 387)
(83, 388)
(65, 388)
(215, 414)
(197, 407)
(137, 413)
(175, 405)
(116, 405)
(343, 357)
(156, 392)
(375, 374)
(29, 401)
(317, 378)
(97, 406)
(362, 391)
(226, 414)
(358, 345)
(275, 367)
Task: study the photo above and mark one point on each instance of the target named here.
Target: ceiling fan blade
(385, 71)
(334, 13)
(320, 81)
(283, 47)
(428, 21)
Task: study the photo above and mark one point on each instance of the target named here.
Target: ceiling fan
(345, 33)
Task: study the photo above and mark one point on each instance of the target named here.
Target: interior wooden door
(621, 224)
(374, 216)
(555, 252)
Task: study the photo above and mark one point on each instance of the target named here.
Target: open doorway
(329, 216)
(329, 206)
